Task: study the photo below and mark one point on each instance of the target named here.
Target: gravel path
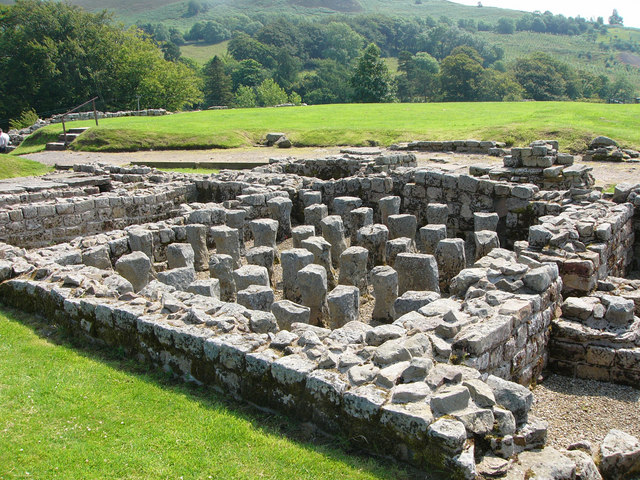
(579, 409)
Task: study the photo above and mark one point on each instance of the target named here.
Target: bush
(26, 119)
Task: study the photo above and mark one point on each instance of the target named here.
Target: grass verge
(74, 413)
(519, 123)
(12, 166)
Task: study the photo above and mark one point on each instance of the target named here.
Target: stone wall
(458, 146)
(77, 116)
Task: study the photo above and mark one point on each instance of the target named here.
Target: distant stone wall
(76, 116)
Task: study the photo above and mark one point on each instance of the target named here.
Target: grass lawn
(202, 53)
(73, 413)
(12, 166)
(572, 123)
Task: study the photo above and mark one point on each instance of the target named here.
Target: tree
(615, 18)
(342, 44)
(269, 93)
(419, 78)
(249, 73)
(495, 86)
(459, 75)
(541, 77)
(245, 97)
(371, 80)
(505, 26)
(217, 84)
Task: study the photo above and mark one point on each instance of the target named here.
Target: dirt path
(606, 173)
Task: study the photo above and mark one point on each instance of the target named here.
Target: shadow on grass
(269, 423)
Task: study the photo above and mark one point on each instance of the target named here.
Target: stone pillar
(312, 281)
(141, 240)
(256, 297)
(360, 217)
(485, 221)
(395, 247)
(437, 213)
(197, 237)
(402, 226)
(374, 239)
(221, 267)
(333, 232)
(343, 206)
(180, 255)
(385, 291)
(287, 313)
(344, 306)
(430, 236)
(321, 250)
(135, 267)
(310, 197)
(416, 271)
(264, 231)
(236, 219)
(388, 206)
(300, 233)
(249, 275)
(485, 240)
(263, 257)
(280, 209)
(451, 260)
(353, 268)
(293, 261)
(313, 215)
(227, 241)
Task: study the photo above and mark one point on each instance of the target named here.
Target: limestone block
(402, 226)
(221, 267)
(287, 313)
(430, 236)
(256, 297)
(264, 231)
(249, 275)
(280, 210)
(343, 206)
(374, 239)
(310, 197)
(485, 221)
(180, 255)
(97, 257)
(141, 240)
(313, 215)
(396, 246)
(515, 398)
(312, 281)
(485, 241)
(209, 287)
(333, 231)
(385, 291)
(619, 455)
(437, 214)
(360, 217)
(353, 268)
(178, 278)
(227, 242)
(293, 261)
(416, 271)
(197, 237)
(263, 257)
(344, 305)
(300, 233)
(321, 250)
(388, 206)
(451, 259)
(412, 301)
(135, 267)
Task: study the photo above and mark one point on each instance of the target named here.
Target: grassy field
(12, 166)
(70, 413)
(573, 124)
(202, 53)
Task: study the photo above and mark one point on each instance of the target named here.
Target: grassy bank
(12, 166)
(573, 124)
(71, 413)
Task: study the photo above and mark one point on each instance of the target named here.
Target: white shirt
(4, 140)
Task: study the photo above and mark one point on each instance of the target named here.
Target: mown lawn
(572, 123)
(72, 413)
(12, 166)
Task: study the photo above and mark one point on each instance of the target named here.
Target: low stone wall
(458, 146)
(77, 116)
(597, 337)
(588, 241)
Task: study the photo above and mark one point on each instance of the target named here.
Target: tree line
(54, 56)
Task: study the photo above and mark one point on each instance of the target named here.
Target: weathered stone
(209, 287)
(344, 305)
(264, 231)
(178, 278)
(374, 239)
(451, 259)
(353, 268)
(385, 290)
(321, 250)
(515, 398)
(287, 313)
(412, 301)
(256, 297)
(485, 221)
(227, 242)
(437, 214)
(360, 217)
(221, 267)
(485, 241)
(397, 246)
(314, 214)
(416, 272)
(312, 281)
(430, 236)
(180, 255)
(197, 237)
(97, 257)
(141, 241)
(263, 257)
(300, 233)
(280, 210)
(402, 226)
(293, 261)
(333, 232)
(249, 275)
(388, 206)
(135, 267)
(449, 433)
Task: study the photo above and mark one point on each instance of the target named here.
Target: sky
(629, 10)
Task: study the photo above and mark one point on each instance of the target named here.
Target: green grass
(72, 413)
(572, 123)
(12, 166)
(202, 53)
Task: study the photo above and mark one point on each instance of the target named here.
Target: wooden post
(64, 130)
(95, 112)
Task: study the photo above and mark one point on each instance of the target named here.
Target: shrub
(26, 119)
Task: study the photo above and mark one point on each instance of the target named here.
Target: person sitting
(4, 141)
